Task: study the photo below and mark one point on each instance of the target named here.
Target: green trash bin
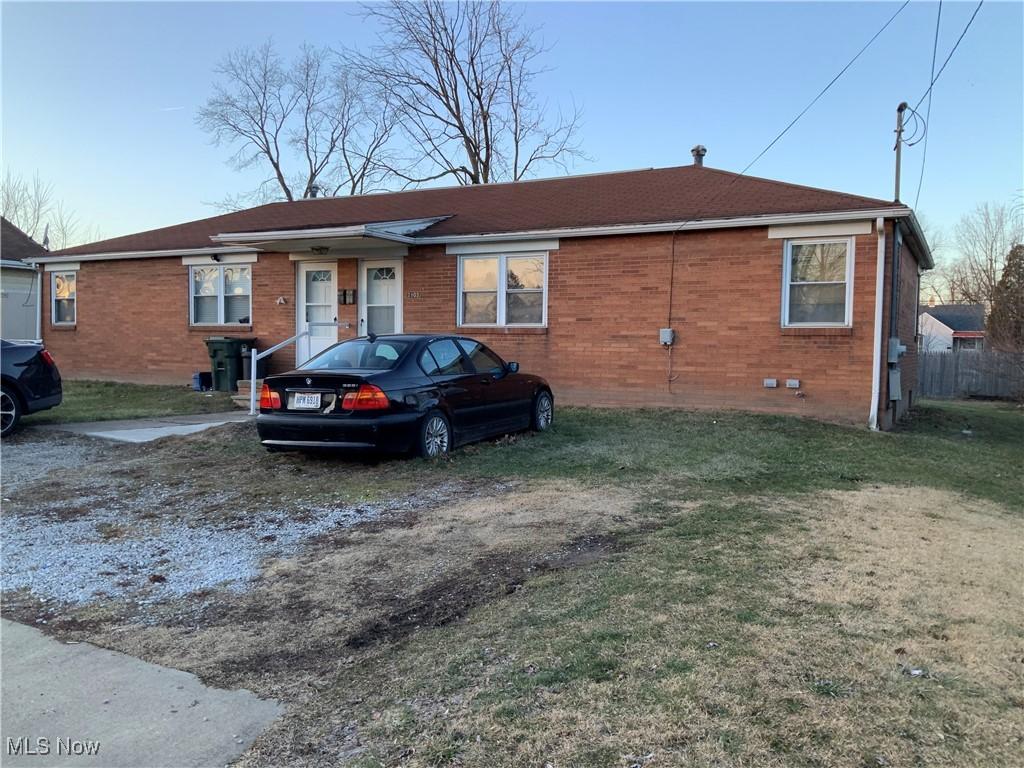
(226, 360)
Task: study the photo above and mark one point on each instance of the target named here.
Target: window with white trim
(64, 293)
(221, 295)
(817, 283)
(503, 290)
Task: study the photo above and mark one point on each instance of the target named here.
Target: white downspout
(39, 303)
(876, 360)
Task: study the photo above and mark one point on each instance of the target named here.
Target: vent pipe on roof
(698, 153)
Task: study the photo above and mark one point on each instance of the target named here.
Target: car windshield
(359, 354)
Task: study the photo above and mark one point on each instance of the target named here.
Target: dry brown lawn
(628, 590)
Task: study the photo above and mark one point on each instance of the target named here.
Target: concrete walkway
(79, 705)
(144, 430)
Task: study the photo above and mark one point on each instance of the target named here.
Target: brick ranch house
(782, 297)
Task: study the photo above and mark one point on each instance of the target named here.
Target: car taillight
(367, 398)
(47, 358)
(269, 399)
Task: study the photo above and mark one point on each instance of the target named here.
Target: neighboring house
(952, 327)
(19, 283)
(781, 296)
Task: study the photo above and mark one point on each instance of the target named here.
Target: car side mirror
(512, 367)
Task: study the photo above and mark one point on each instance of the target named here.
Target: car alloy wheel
(544, 412)
(8, 412)
(435, 436)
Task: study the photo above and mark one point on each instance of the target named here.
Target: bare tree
(983, 239)
(26, 203)
(307, 122)
(935, 287)
(66, 229)
(460, 75)
(30, 206)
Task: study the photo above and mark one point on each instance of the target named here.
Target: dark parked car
(31, 382)
(401, 393)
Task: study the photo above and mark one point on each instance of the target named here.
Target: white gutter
(358, 230)
(876, 356)
(386, 230)
(915, 228)
(15, 264)
(671, 226)
(207, 251)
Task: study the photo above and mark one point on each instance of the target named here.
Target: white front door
(380, 297)
(317, 293)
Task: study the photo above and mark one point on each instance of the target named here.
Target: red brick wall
(608, 297)
(906, 329)
(133, 320)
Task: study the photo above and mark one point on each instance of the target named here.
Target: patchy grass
(711, 453)
(631, 588)
(107, 400)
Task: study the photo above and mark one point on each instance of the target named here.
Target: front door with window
(380, 297)
(317, 303)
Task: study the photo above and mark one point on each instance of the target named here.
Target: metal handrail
(259, 356)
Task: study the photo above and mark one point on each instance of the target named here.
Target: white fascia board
(238, 258)
(289, 234)
(387, 252)
(385, 230)
(673, 226)
(839, 228)
(142, 254)
(505, 246)
(915, 228)
(15, 264)
(63, 266)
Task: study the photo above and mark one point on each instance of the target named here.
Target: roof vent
(698, 153)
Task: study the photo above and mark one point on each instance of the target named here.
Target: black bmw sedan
(30, 382)
(401, 393)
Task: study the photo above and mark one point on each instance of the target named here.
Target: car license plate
(306, 400)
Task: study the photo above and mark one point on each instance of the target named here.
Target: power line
(950, 56)
(764, 151)
(824, 90)
(928, 112)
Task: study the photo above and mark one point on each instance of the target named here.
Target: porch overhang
(337, 241)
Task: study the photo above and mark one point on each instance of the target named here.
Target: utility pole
(899, 144)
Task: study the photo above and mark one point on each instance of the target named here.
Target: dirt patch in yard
(370, 584)
(488, 578)
(878, 627)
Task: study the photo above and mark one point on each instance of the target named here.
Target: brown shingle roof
(629, 197)
(16, 245)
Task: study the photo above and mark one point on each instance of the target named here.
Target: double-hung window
(817, 283)
(221, 295)
(503, 290)
(64, 290)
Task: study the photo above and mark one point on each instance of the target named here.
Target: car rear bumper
(42, 403)
(388, 433)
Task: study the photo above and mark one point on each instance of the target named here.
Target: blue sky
(100, 99)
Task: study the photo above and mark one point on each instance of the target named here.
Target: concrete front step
(241, 398)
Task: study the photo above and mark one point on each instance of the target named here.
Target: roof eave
(673, 226)
(254, 242)
(160, 254)
(918, 233)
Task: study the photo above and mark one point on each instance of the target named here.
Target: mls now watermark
(41, 745)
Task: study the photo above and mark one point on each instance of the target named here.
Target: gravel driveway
(83, 520)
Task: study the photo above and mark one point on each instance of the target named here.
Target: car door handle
(485, 380)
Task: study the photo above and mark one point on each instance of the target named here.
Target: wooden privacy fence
(970, 373)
